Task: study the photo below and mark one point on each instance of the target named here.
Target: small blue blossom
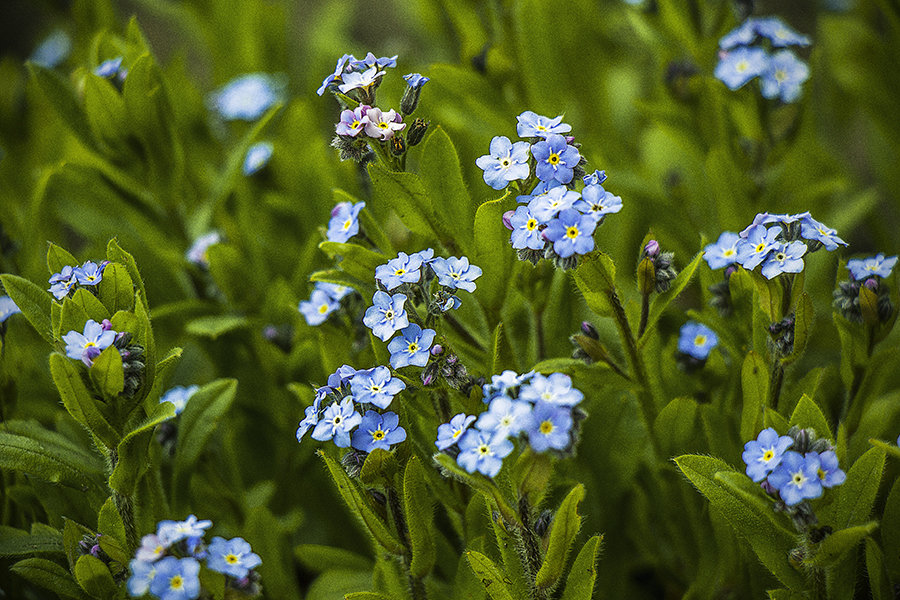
(483, 452)
(198, 253)
(549, 427)
(151, 549)
(571, 233)
(176, 579)
(597, 202)
(797, 477)
(555, 159)
(505, 417)
(344, 222)
(411, 348)
(232, 557)
(507, 382)
(555, 389)
(257, 157)
(755, 247)
(767, 218)
(541, 189)
(317, 309)
(87, 346)
(336, 291)
(506, 162)
(109, 68)
(742, 35)
(376, 386)
(778, 33)
(531, 124)
(456, 273)
(61, 289)
(310, 418)
(740, 65)
(697, 340)
(830, 474)
(426, 255)
(783, 76)
(90, 273)
(784, 258)
(246, 97)
(449, 433)
(874, 266)
(764, 453)
(811, 229)
(526, 232)
(371, 61)
(595, 178)
(353, 121)
(53, 50)
(338, 72)
(179, 396)
(341, 377)
(724, 252)
(142, 573)
(386, 315)
(336, 423)
(547, 205)
(171, 532)
(359, 80)
(378, 431)
(403, 269)
(7, 308)
(416, 80)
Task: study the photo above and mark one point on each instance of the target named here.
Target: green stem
(633, 356)
(776, 380)
(645, 314)
(529, 550)
(125, 506)
(416, 585)
(852, 410)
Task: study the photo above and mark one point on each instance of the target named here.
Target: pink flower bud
(437, 350)
(871, 283)
(106, 325)
(506, 219)
(652, 248)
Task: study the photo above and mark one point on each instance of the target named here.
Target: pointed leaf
(107, 373)
(117, 288)
(78, 400)
(199, 420)
(419, 519)
(493, 254)
(114, 253)
(807, 414)
(405, 194)
(93, 308)
(94, 577)
(836, 545)
(857, 494)
(48, 575)
(803, 323)
(580, 582)
(356, 260)
(662, 301)
(132, 450)
(442, 179)
(755, 388)
(18, 542)
(57, 258)
(60, 96)
(565, 527)
(493, 579)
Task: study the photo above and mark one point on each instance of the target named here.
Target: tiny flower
(506, 162)
(246, 97)
(341, 377)
(531, 124)
(556, 389)
(257, 157)
(549, 427)
(797, 477)
(505, 417)
(456, 273)
(378, 431)
(198, 253)
(571, 233)
(403, 269)
(336, 291)
(525, 231)
(109, 68)
(595, 178)
(596, 202)
(411, 348)
(507, 383)
(176, 579)
(386, 315)
(878, 265)
(53, 50)
(783, 76)
(336, 423)
(170, 532)
(338, 72)
(555, 159)
(756, 246)
(319, 306)
(547, 205)
(344, 222)
(353, 121)
(742, 35)
(94, 338)
(142, 573)
(830, 474)
(383, 125)
(65, 274)
(232, 557)
(449, 433)
(819, 232)
(778, 33)
(784, 258)
(7, 308)
(416, 80)
(376, 386)
(151, 549)
(310, 419)
(371, 61)
(724, 252)
(740, 65)
(179, 396)
(426, 255)
(764, 453)
(356, 79)
(483, 452)
(696, 340)
(90, 273)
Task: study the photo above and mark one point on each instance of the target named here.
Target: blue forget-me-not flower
(233, 557)
(449, 433)
(555, 159)
(506, 162)
(411, 348)
(378, 431)
(87, 346)
(337, 422)
(797, 477)
(483, 451)
(7, 308)
(456, 273)
(344, 222)
(176, 579)
(386, 315)
(697, 340)
(874, 266)
(403, 269)
(571, 233)
(724, 252)
(179, 396)
(246, 97)
(764, 453)
(376, 386)
(257, 157)
(531, 124)
(783, 76)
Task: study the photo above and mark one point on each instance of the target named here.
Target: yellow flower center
(729, 252)
(821, 474)
(413, 348)
(383, 125)
(780, 75)
(176, 582)
(375, 388)
(484, 450)
(89, 344)
(531, 224)
(547, 427)
(760, 247)
(699, 340)
(768, 455)
(572, 232)
(741, 66)
(336, 420)
(553, 159)
(389, 315)
(323, 309)
(541, 128)
(377, 435)
(457, 433)
(400, 272)
(347, 224)
(504, 162)
(354, 124)
(231, 559)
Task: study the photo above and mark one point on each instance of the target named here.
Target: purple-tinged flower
(555, 159)
(550, 426)
(353, 121)
(597, 202)
(778, 33)
(449, 433)
(784, 258)
(483, 452)
(386, 315)
(555, 389)
(344, 222)
(94, 338)
(171, 532)
(764, 453)
(371, 61)
(63, 282)
(797, 477)
(65, 274)
(531, 124)
(753, 249)
(819, 232)
(90, 273)
(359, 80)
(506, 162)
(525, 230)
(830, 474)
(595, 178)
(246, 97)
(411, 348)
(142, 573)
(338, 73)
(456, 273)
(376, 386)
(383, 125)
(198, 253)
(505, 417)
(740, 65)
(179, 396)
(878, 265)
(336, 423)
(724, 252)
(151, 549)
(783, 76)
(571, 233)
(416, 80)
(176, 579)
(7, 308)
(319, 306)
(403, 269)
(546, 206)
(232, 557)
(257, 157)
(378, 431)
(696, 340)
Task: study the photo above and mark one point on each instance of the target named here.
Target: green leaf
(857, 494)
(419, 519)
(890, 532)
(596, 278)
(132, 450)
(338, 277)
(661, 301)
(878, 583)
(48, 575)
(369, 225)
(144, 336)
(365, 596)
(18, 542)
(115, 254)
(78, 400)
(116, 288)
(107, 373)
(213, 326)
(755, 388)
(45, 458)
(57, 258)
(59, 95)
(379, 468)
(807, 414)
(322, 558)
(676, 425)
(213, 583)
(450, 468)
(803, 322)
(199, 420)
(493, 254)
(94, 577)
(442, 179)
(565, 527)
(836, 545)
(493, 579)
(33, 301)
(93, 308)
(356, 260)
(752, 521)
(580, 582)
(72, 317)
(105, 111)
(358, 504)
(109, 522)
(405, 194)
(769, 293)
(531, 474)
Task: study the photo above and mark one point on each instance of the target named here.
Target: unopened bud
(398, 146)
(652, 248)
(589, 330)
(507, 219)
(870, 283)
(868, 304)
(729, 271)
(106, 325)
(417, 131)
(437, 350)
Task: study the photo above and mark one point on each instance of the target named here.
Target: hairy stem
(633, 356)
(416, 584)
(645, 314)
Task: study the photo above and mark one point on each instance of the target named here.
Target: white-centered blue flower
(549, 427)
(784, 258)
(874, 266)
(171, 532)
(449, 433)
(337, 422)
(257, 157)
(403, 269)
(506, 162)
(376, 386)
(783, 76)
(318, 308)
(411, 347)
(176, 579)
(505, 416)
(179, 396)
(738, 66)
(754, 248)
(764, 453)
(553, 389)
(597, 202)
(456, 273)
(724, 252)
(198, 253)
(377, 431)
(797, 477)
(233, 557)
(90, 343)
(386, 315)
(548, 204)
(531, 124)
(483, 451)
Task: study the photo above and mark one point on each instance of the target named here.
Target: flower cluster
(349, 389)
(324, 300)
(246, 97)
(198, 253)
(778, 248)
(530, 406)
(781, 73)
(167, 564)
(865, 281)
(69, 278)
(792, 476)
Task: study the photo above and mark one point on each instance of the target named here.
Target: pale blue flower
(783, 76)
(874, 266)
(337, 422)
(784, 258)
(571, 233)
(356, 80)
(554, 389)
(176, 579)
(257, 157)
(531, 124)
(386, 315)
(378, 431)
(411, 347)
(198, 253)
(549, 427)
(830, 474)
(87, 346)
(456, 273)
(53, 50)
(403, 269)
(814, 230)
(764, 453)
(171, 532)
(179, 396)
(233, 557)
(737, 67)
(753, 249)
(505, 417)
(449, 433)
(483, 452)
(506, 162)
(376, 386)
(597, 202)
(547, 205)
(526, 231)
(317, 309)
(142, 573)
(697, 340)
(724, 252)
(7, 308)
(246, 97)
(555, 159)
(797, 477)
(344, 222)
